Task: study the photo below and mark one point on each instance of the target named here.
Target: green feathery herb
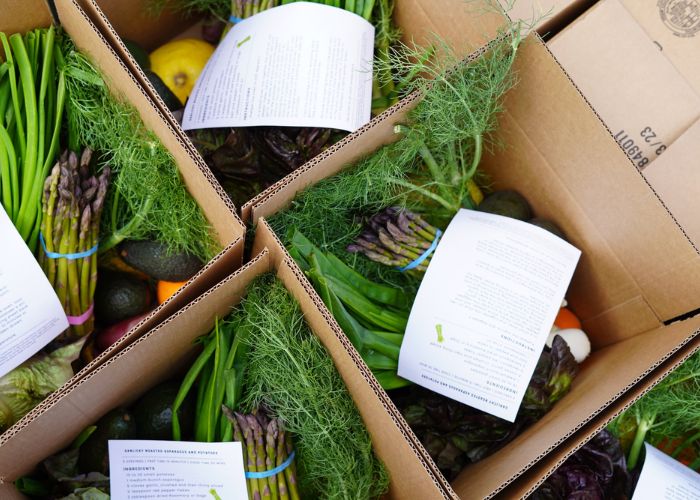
(148, 198)
(428, 168)
(291, 375)
(669, 411)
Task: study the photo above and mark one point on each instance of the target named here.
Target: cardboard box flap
(530, 480)
(625, 363)
(675, 177)
(197, 177)
(653, 257)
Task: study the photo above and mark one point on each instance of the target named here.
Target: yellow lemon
(179, 63)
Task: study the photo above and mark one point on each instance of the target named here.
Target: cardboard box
(634, 87)
(638, 267)
(19, 16)
(674, 26)
(417, 19)
(545, 16)
(168, 348)
(534, 477)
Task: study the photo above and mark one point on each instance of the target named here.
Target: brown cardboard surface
(14, 18)
(156, 356)
(530, 480)
(676, 178)
(675, 28)
(636, 90)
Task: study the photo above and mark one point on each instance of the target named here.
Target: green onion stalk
(72, 205)
(32, 99)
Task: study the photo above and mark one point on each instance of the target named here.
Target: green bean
(388, 379)
(377, 361)
(186, 385)
(16, 97)
(200, 429)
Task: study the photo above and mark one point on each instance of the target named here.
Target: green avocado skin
(508, 204)
(94, 453)
(154, 416)
(154, 259)
(171, 101)
(120, 296)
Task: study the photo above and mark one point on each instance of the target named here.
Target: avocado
(120, 296)
(171, 101)
(94, 452)
(549, 226)
(507, 203)
(155, 259)
(154, 416)
(141, 56)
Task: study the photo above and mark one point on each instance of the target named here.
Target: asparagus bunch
(396, 237)
(71, 208)
(266, 446)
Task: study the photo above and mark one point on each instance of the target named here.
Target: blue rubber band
(235, 20)
(271, 472)
(69, 256)
(423, 256)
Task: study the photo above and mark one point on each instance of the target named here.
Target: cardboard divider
(534, 477)
(156, 356)
(638, 267)
(226, 226)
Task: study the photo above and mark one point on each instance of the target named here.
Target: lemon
(179, 64)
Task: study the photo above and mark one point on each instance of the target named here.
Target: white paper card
(176, 470)
(30, 314)
(663, 478)
(484, 309)
(299, 65)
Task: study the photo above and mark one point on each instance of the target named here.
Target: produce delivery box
(643, 92)
(638, 268)
(220, 220)
(136, 21)
(167, 350)
(532, 479)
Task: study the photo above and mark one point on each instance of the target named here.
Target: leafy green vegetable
(148, 197)
(291, 374)
(668, 411)
(27, 385)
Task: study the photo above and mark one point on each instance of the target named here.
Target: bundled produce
(263, 379)
(71, 209)
(667, 417)
(32, 97)
(397, 237)
(267, 446)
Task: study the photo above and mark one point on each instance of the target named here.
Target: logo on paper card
(682, 17)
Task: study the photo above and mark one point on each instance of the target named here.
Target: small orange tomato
(566, 319)
(167, 289)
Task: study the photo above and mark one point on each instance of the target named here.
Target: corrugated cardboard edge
(196, 159)
(267, 241)
(526, 485)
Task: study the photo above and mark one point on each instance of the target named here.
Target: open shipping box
(168, 349)
(23, 15)
(545, 16)
(417, 19)
(638, 268)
